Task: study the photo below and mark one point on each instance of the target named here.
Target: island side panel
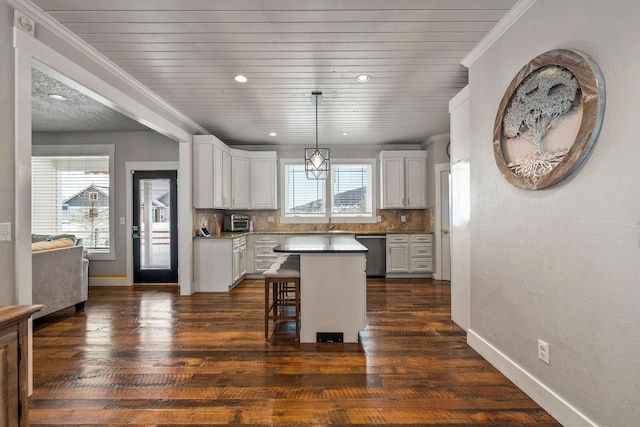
(333, 294)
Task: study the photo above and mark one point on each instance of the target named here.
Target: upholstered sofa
(59, 274)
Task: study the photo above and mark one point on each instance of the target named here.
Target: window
(351, 190)
(70, 194)
(347, 194)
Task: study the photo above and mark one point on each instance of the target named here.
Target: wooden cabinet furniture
(240, 180)
(211, 173)
(264, 180)
(219, 264)
(403, 179)
(420, 253)
(263, 254)
(397, 253)
(409, 255)
(225, 178)
(14, 356)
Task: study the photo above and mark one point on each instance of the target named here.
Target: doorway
(442, 222)
(154, 229)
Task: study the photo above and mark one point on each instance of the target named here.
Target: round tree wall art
(549, 119)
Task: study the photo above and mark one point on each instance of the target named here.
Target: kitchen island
(333, 287)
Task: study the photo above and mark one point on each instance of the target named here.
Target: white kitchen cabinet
(403, 179)
(240, 180)
(421, 253)
(202, 175)
(264, 181)
(219, 264)
(409, 255)
(211, 173)
(221, 178)
(263, 253)
(397, 253)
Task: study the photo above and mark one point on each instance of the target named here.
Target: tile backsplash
(416, 220)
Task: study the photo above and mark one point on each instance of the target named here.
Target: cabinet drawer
(264, 250)
(262, 265)
(397, 238)
(421, 250)
(421, 238)
(421, 265)
(266, 239)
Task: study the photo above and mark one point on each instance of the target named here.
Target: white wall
(563, 264)
(7, 170)
(460, 206)
(130, 146)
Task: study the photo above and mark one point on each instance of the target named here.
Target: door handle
(445, 231)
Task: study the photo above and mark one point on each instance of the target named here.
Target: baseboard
(109, 281)
(559, 408)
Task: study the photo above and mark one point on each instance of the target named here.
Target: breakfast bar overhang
(333, 285)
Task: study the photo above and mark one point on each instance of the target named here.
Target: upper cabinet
(264, 180)
(403, 179)
(225, 178)
(211, 173)
(240, 180)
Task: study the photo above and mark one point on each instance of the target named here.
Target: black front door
(155, 227)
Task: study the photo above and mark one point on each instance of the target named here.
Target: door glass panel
(155, 215)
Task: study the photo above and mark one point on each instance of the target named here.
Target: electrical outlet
(270, 219)
(5, 232)
(543, 351)
(379, 218)
(403, 218)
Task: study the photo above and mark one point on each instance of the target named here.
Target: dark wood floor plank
(147, 356)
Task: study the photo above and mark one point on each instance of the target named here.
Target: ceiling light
(273, 134)
(363, 78)
(57, 97)
(240, 78)
(345, 133)
(316, 161)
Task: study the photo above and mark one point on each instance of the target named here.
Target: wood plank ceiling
(189, 51)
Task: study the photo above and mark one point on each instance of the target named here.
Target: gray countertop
(321, 244)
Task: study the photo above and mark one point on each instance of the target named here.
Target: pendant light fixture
(316, 160)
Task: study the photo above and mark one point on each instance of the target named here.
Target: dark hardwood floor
(147, 356)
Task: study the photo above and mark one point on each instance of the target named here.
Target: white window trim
(80, 150)
(324, 218)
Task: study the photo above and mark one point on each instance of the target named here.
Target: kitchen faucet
(330, 227)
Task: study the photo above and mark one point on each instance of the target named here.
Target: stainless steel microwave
(236, 222)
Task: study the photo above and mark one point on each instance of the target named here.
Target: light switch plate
(5, 232)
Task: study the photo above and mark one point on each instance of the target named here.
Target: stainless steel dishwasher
(377, 255)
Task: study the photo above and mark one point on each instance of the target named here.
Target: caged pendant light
(316, 163)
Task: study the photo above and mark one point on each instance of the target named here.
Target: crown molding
(42, 18)
(498, 31)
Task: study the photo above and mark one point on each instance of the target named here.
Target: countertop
(232, 235)
(335, 243)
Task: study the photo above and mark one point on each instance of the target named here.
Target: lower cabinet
(219, 264)
(409, 255)
(14, 356)
(397, 253)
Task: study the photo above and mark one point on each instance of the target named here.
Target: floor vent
(329, 337)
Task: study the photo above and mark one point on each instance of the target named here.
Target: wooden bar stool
(281, 297)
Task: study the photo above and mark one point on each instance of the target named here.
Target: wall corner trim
(496, 32)
(550, 401)
(42, 18)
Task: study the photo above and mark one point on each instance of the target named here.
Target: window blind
(351, 190)
(70, 195)
(304, 196)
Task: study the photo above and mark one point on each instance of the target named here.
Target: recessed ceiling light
(363, 78)
(240, 78)
(345, 133)
(58, 97)
(273, 134)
